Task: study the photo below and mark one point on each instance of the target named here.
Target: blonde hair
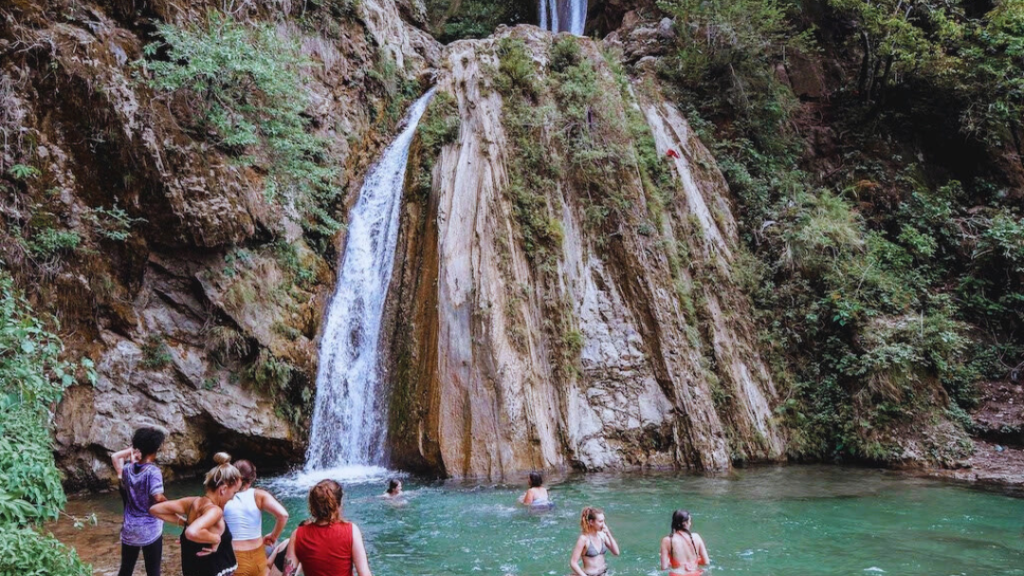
(588, 515)
(222, 474)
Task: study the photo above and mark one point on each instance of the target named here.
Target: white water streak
(552, 10)
(348, 420)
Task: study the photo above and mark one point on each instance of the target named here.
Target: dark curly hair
(148, 440)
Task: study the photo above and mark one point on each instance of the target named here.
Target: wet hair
(536, 480)
(680, 518)
(223, 474)
(247, 470)
(393, 485)
(148, 440)
(325, 501)
(588, 515)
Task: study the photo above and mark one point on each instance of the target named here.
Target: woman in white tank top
(244, 516)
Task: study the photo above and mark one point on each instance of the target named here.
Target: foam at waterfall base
(301, 480)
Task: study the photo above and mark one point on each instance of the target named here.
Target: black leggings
(151, 555)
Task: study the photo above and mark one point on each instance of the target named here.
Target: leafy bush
(32, 378)
(112, 223)
(869, 281)
(25, 552)
(243, 83)
(155, 352)
(50, 242)
(451, 20)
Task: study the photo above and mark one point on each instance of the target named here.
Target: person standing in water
(536, 495)
(244, 516)
(327, 545)
(206, 541)
(595, 539)
(142, 485)
(683, 551)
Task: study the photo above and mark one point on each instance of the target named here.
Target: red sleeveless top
(324, 550)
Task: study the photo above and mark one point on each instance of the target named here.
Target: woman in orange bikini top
(683, 551)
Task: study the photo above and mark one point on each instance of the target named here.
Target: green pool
(793, 520)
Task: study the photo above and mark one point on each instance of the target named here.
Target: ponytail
(588, 515)
(222, 474)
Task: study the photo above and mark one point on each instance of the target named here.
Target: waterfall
(571, 14)
(348, 418)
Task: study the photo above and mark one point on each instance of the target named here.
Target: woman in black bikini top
(205, 541)
(593, 529)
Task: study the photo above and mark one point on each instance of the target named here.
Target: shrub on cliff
(882, 281)
(241, 83)
(32, 378)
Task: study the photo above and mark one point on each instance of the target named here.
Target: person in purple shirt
(142, 485)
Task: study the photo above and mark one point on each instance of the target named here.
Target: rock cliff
(630, 346)
(197, 295)
(595, 321)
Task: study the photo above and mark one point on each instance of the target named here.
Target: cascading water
(347, 420)
(563, 15)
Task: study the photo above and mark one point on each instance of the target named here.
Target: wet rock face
(197, 321)
(592, 362)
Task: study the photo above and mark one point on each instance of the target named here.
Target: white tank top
(243, 516)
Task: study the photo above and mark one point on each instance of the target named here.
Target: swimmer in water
(394, 489)
(683, 551)
(595, 539)
(536, 495)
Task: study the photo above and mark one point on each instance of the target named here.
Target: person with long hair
(595, 540)
(683, 551)
(327, 544)
(142, 485)
(206, 540)
(244, 515)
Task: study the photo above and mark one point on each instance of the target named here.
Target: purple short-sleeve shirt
(141, 482)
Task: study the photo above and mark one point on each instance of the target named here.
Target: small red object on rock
(672, 153)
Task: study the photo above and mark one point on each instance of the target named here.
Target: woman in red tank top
(327, 545)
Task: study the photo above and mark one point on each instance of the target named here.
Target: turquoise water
(794, 520)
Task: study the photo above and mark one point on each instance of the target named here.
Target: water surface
(794, 520)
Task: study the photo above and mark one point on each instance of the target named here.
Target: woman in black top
(206, 541)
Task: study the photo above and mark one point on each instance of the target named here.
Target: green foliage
(977, 60)
(438, 127)
(23, 172)
(288, 256)
(397, 89)
(243, 84)
(32, 379)
(25, 552)
(440, 123)
(450, 20)
(536, 169)
(565, 53)
(866, 309)
(50, 242)
(155, 352)
(112, 223)
(269, 373)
